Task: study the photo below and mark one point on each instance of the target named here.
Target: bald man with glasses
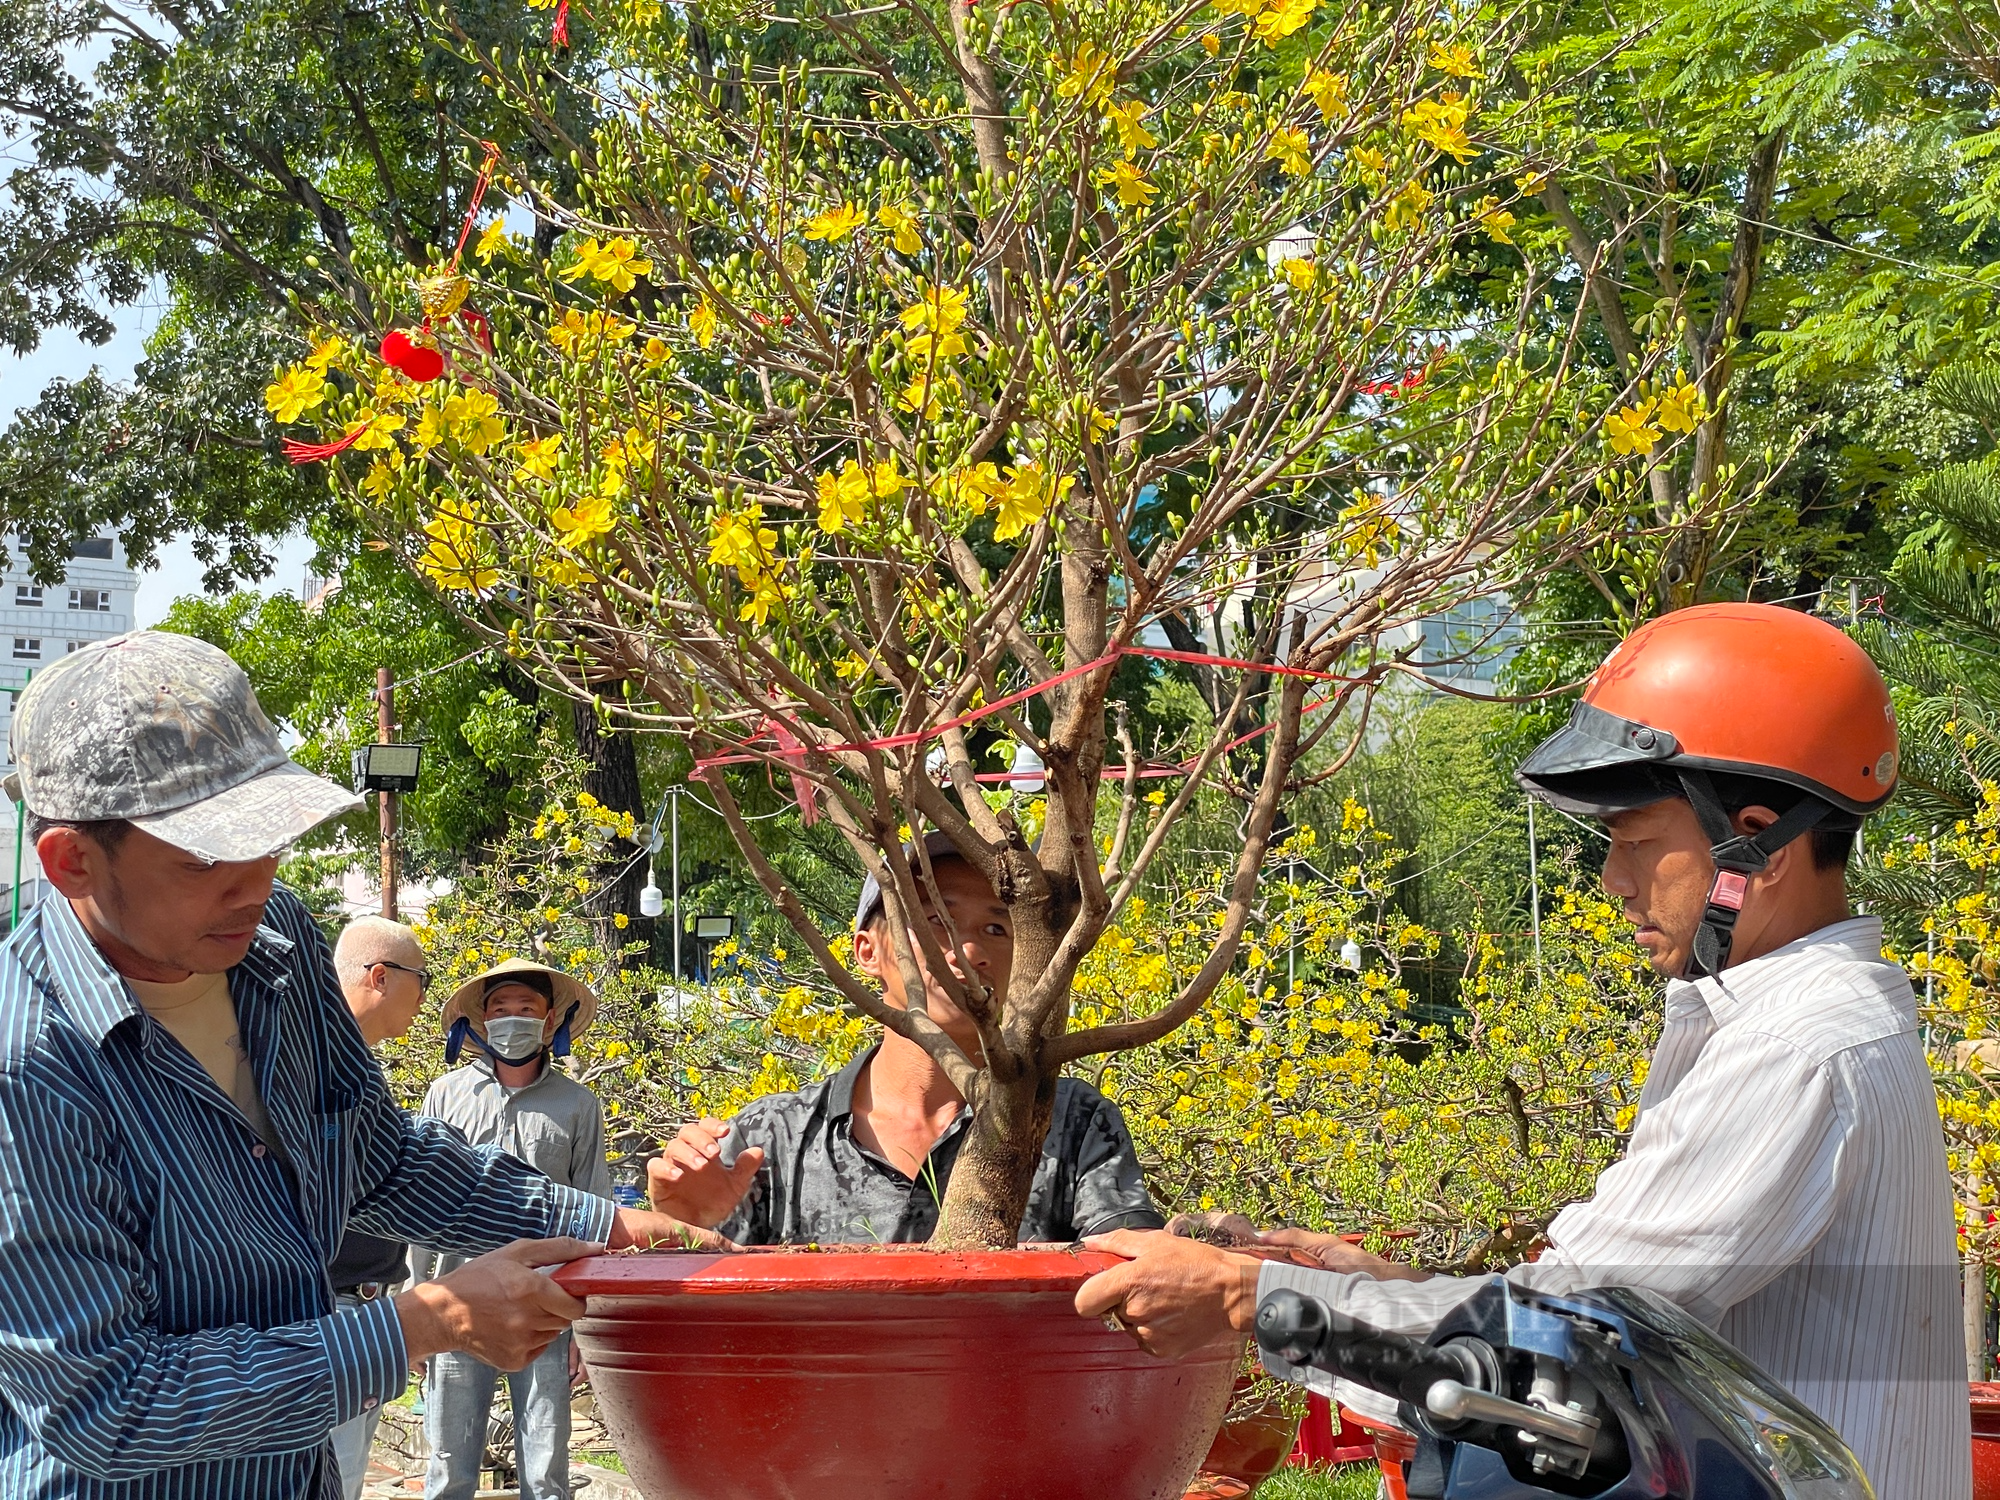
(382, 974)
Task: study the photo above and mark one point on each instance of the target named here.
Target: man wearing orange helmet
(1786, 1179)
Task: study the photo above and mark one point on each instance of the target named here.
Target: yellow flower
(474, 419)
(1092, 75)
(844, 497)
(621, 922)
(1456, 61)
(539, 458)
(1532, 184)
(765, 594)
(616, 262)
(1406, 209)
(657, 352)
(577, 524)
(381, 476)
(702, 322)
(1329, 92)
(1291, 150)
(1300, 272)
(430, 430)
(1099, 423)
(850, 668)
(326, 354)
(1631, 430)
(456, 557)
(924, 346)
(1441, 123)
(644, 13)
(1372, 163)
(579, 332)
(975, 487)
(928, 391)
(1281, 18)
(902, 226)
(940, 310)
(1494, 219)
(378, 428)
(1131, 185)
(1125, 118)
(1025, 499)
(493, 241)
(1211, 43)
(1682, 408)
(836, 224)
(297, 391)
(737, 540)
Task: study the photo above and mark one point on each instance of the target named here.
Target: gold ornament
(442, 294)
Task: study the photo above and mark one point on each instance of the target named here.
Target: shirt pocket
(544, 1143)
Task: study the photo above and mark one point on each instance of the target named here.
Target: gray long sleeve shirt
(554, 1124)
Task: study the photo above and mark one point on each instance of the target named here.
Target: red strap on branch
(792, 749)
(478, 196)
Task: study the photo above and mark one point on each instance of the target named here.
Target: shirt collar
(96, 995)
(840, 1092)
(1739, 988)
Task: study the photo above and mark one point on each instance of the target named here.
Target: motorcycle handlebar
(1302, 1330)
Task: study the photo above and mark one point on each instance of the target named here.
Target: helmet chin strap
(1737, 857)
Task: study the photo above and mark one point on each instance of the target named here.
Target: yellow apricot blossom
(1132, 136)
(1093, 73)
(1329, 92)
(539, 458)
(975, 486)
(1407, 208)
(328, 352)
(1455, 60)
(902, 227)
(766, 593)
(378, 429)
(616, 262)
(836, 224)
(458, 555)
(1440, 123)
(928, 391)
(580, 333)
(1682, 408)
(1025, 499)
(1132, 186)
(1632, 429)
(1300, 271)
(737, 539)
(492, 241)
(702, 322)
(1494, 219)
(576, 525)
(939, 310)
(1280, 19)
(1291, 149)
(380, 480)
(295, 392)
(473, 417)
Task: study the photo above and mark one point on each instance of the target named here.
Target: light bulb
(651, 901)
(1350, 955)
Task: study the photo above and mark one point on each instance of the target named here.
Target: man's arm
(1110, 1188)
(589, 1167)
(100, 1388)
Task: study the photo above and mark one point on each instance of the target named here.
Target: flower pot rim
(832, 1268)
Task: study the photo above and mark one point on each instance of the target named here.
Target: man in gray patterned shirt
(864, 1156)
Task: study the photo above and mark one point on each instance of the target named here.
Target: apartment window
(98, 600)
(93, 546)
(27, 648)
(75, 646)
(27, 596)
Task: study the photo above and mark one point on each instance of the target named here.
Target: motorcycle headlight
(1803, 1455)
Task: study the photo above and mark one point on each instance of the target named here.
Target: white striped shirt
(1786, 1184)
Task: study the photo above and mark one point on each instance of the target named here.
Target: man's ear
(73, 863)
(1753, 820)
(870, 952)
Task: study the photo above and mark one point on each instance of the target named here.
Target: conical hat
(469, 999)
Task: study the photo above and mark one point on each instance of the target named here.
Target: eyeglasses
(423, 975)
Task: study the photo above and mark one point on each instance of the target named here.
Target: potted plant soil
(894, 400)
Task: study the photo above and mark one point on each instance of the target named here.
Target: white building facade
(40, 623)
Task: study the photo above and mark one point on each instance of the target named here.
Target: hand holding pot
(1174, 1295)
(689, 1181)
(1338, 1252)
(497, 1307)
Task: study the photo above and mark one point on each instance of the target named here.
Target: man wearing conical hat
(514, 1020)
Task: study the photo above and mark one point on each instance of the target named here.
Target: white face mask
(515, 1039)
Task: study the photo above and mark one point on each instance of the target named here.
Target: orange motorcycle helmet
(1729, 691)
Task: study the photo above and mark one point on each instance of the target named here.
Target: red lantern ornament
(419, 362)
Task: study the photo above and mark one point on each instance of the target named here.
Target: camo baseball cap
(162, 731)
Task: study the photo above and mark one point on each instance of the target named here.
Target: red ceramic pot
(1985, 1440)
(867, 1372)
(1393, 1448)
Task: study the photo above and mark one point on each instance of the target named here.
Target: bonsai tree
(880, 379)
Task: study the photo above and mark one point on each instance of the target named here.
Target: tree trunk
(611, 775)
(988, 1191)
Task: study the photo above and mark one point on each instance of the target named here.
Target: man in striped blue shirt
(189, 1120)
